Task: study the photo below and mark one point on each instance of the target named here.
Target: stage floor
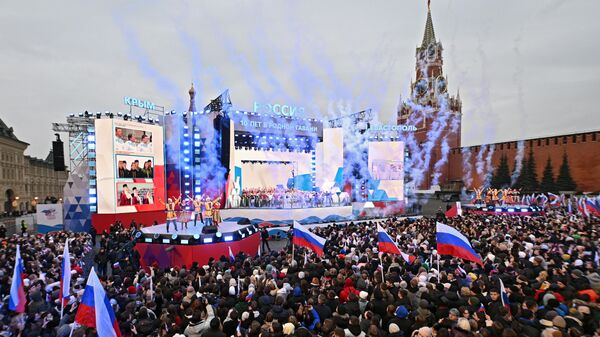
(224, 227)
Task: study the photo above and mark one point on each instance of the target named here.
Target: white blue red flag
(304, 238)
(452, 242)
(95, 310)
(65, 280)
(385, 244)
(231, 256)
(17, 288)
(592, 206)
(504, 295)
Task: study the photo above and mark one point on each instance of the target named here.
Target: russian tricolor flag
(592, 207)
(387, 245)
(452, 242)
(504, 295)
(231, 256)
(95, 310)
(303, 237)
(17, 288)
(65, 280)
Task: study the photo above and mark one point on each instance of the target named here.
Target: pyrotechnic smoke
(467, 167)
(518, 161)
(480, 164)
(489, 168)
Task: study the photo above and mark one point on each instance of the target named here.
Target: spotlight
(174, 236)
(196, 236)
(72, 115)
(125, 117)
(81, 114)
(98, 115)
(120, 114)
(219, 234)
(86, 113)
(156, 236)
(106, 113)
(156, 120)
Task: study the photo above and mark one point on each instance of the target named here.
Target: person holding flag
(304, 238)
(65, 280)
(385, 244)
(17, 298)
(95, 310)
(452, 242)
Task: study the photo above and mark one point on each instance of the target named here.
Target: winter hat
(245, 316)
(177, 296)
(401, 312)
(363, 295)
(301, 275)
(232, 290)
(219, 277)
(131, 290)
(393, 328)
(425, 331)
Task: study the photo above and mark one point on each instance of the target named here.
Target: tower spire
(429, 35)
(192, 93)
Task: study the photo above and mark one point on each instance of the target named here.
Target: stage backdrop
(386, 168)
(130, 166)
(49, 217)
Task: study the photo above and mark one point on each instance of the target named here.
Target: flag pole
(382, 274)
(438, 266)
(292, 238)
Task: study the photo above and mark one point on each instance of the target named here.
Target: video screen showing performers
(129, 153)
(132, 167)
(131, 194)
(133, 141)
(387, 169)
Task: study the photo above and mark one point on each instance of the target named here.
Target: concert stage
(190, 245)
(503, 209)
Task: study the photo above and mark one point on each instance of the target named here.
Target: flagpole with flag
(504, 295)
(65, 281)
(95, 310)
(452, 242)
(303, 237)
(17, 298)
(386, 244)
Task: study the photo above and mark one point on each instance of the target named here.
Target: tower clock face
(421, 87)
(441, 84)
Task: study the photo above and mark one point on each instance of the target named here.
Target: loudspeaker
(209, 229)
(58, 155)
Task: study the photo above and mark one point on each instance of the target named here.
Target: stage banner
(49, 217)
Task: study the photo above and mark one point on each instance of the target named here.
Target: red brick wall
(584, 159)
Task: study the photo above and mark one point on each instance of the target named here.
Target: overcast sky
(524, 68)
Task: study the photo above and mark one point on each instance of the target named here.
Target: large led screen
(386, 167)
(130, 166)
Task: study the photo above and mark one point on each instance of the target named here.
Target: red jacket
(348, 289)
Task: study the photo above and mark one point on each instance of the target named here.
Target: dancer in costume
(216, 209)
(208, 208)
(198, 210)
(171, 214)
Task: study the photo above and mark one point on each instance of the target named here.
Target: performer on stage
(198, 210)
(208, 211)
(185, 215)
(170, 209)
(216, 211)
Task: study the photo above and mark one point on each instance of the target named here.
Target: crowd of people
(290, 198)
(548, 265)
